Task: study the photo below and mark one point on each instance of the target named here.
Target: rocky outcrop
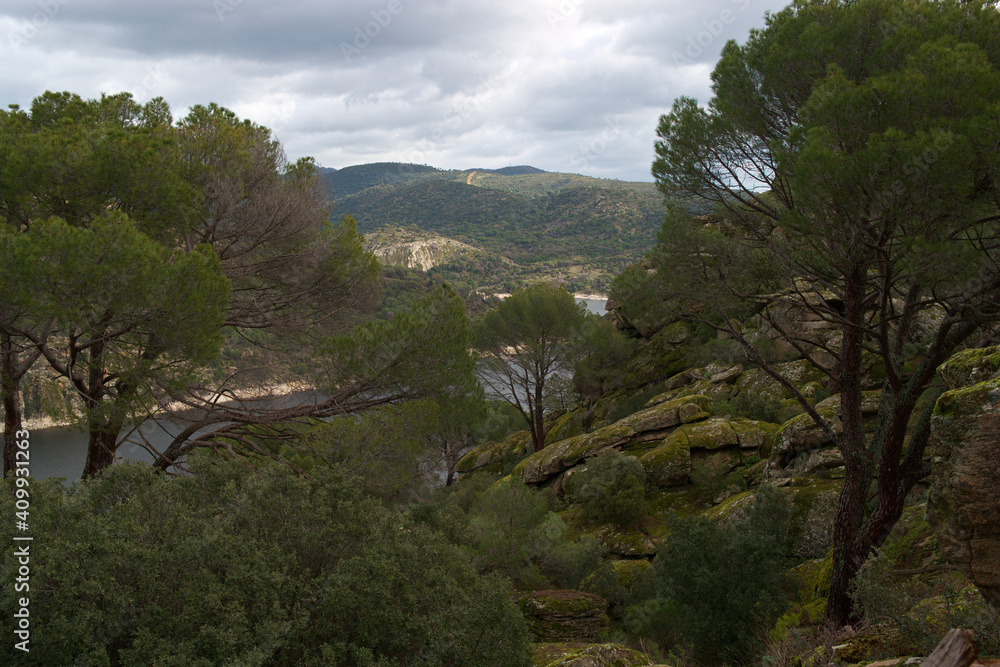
(814, 507)
(565, 616)
(422, 254)
(970, 367)
(644, 429)
(802, 447)
(964, 500)
(493, 455)
(587, 655)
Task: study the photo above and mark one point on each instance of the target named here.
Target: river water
(61, 451)
(594, 305)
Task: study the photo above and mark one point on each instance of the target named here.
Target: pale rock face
(424, 254)
(964, 501)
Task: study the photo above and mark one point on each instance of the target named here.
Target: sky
(562, 85)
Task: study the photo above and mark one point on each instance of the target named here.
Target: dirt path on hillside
(468, 181)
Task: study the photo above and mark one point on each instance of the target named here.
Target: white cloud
(561, 84)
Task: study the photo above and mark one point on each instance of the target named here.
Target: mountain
(528, 224)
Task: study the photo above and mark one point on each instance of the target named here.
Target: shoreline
(585, 297)
(245, 394)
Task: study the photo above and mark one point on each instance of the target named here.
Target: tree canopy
(526, 342)
(130, 200)
(850, 152)
(258, 566)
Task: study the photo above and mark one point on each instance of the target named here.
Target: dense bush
(920, 611)
(612, 488)
(510, 529)
(751, 406)
(262, 567)
(719, 585)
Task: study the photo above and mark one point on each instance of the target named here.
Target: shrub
(257, 567)
(720, 585)
(751, 406)
(922, 611)
(612, 488)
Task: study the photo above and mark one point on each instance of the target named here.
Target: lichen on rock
(964, 500)
(565, 615)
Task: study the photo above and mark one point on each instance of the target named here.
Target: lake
(61, 451)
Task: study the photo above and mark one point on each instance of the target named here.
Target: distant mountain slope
(565, 227)
(350, 180)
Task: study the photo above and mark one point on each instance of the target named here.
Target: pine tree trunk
(11, 402)
(100, 450)
(848, 555)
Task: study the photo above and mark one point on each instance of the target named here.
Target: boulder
(586, 655)
(814, 508)
(625, 541)
(493, 455)
(714, 433)
(669, 464)
(800, 373)
(565, 616)
(754, 434)
(970, 367)
(645, 426)
(964, 500)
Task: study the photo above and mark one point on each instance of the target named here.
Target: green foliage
(626, 594)
(833, 144)
(612, 488)
(511, 529)
(383, 447)
(713, 475)
(603, 352)
(156, 312)
(722, 583)
(261, 567)
(751, 406)
(922, 610)
(421, 353)
(526, 341)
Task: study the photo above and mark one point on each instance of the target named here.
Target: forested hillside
(571, 229)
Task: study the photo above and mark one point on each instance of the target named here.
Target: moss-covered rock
(800, 373)
(625, 541)
(754, 434)
(970, 367)
(566, 426)
(628, 570)
(711, 434)
(564, 615)
(814, 507)
(669, 464)
(675, 333)
(964, 500)
(494, 455)
(586, 655)
(801, 433)
(645, 426)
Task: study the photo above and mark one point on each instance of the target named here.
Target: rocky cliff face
(964, 501)
(424, 254)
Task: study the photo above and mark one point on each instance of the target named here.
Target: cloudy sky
(563, 85)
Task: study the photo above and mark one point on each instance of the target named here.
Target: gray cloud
(572, 85)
